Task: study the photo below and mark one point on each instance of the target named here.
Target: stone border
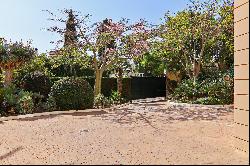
(45, 114)
(8, 118)
(201, 105)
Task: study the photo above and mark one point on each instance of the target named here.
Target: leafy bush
(72, 93)
(209, 91)
(101, 101)
(10, 96)
(17, 101)
(50, 104)
(37, 82)
(39, 63)
(187, 91)
(25, 103)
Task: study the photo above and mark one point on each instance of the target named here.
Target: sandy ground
(140, 133)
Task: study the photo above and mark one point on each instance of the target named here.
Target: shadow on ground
(12, 152)
(94, 113)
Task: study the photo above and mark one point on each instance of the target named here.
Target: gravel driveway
(144, 132)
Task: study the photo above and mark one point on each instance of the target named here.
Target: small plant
(116, 98)
(207, 101)
(101, 101)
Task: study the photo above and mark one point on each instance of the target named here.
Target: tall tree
(70, 35)
(117, 42)
(224, 44)
(187, 35)
(107, 43)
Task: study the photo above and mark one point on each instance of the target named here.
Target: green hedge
(37, 82)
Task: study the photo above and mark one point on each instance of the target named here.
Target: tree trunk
(8, 75)
(98, 81)
(166, 83)
(119, 81)
(196, 71)
(166, 86)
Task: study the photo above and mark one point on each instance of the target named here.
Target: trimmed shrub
(108, 85)
(72, 93)
(37, 82)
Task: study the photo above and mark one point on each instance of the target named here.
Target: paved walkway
(144, 132)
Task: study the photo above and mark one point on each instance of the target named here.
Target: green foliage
(50, 104)
(25, 103)
(201, 33)
(211, 88)
(116, 98)
(70, 36)
(72, 93)
(36, 82)
(152, 65)
(70, 62)
(101, 101)
(38, 63)
(207, 101)
(187, 91)
(108, 85)
(15, 53)
(10, 95)
(1, 98)
(65, 70)
(17, 101)
(9, 100)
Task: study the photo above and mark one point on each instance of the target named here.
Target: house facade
(241, 78)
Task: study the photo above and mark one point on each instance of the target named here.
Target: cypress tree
(70, 36)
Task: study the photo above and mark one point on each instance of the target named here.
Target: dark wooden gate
(147, 87)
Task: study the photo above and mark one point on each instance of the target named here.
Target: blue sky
(24, 19)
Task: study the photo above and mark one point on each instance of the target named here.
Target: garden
(122, 92)
(192, 49)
